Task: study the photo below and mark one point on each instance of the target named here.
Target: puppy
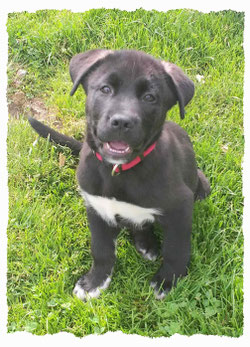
(135, 168)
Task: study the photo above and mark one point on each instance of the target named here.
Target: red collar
(117, 168)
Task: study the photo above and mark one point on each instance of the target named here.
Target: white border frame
(24, 338)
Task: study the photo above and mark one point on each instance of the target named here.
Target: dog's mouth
(117, 149)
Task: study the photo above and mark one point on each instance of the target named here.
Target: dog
(135, 167)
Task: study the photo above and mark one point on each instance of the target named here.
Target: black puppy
(135, 169)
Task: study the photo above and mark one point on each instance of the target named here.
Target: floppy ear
(83, 63)
(183, 86)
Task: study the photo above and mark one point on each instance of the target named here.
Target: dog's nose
(121, 122)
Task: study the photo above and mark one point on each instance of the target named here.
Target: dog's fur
(128, 95)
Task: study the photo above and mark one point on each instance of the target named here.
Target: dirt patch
(19, 104)
(35, 107)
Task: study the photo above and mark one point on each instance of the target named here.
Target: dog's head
(128, 95)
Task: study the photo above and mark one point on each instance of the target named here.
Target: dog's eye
(105, 90)
(149, 98)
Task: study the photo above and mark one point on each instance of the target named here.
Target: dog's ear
(83, 63)
(182, 85)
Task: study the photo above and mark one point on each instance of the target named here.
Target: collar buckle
(114, 170)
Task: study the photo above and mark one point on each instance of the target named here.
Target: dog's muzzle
(119, 134)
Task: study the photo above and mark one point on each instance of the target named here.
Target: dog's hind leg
(103, 237)
(203, 187)
(145, 242)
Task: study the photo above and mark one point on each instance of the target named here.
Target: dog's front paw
(161, 284)
(85, 290)
(165, 279)
(159, 291)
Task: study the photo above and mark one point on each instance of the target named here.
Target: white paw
(147, 255)
(84, 295)
(158, 296)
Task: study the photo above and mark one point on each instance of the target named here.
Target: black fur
(128, 95)
(63, 140)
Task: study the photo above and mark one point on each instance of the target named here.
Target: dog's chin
(116, 152)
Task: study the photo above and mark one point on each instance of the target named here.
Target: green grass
(48, 235)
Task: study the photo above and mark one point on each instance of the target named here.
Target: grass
(48, 235)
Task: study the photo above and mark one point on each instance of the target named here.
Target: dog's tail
(203, 187)
(63, 140)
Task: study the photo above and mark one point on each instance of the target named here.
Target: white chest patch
(109, 208)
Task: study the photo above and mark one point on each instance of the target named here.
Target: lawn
(48, 235)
